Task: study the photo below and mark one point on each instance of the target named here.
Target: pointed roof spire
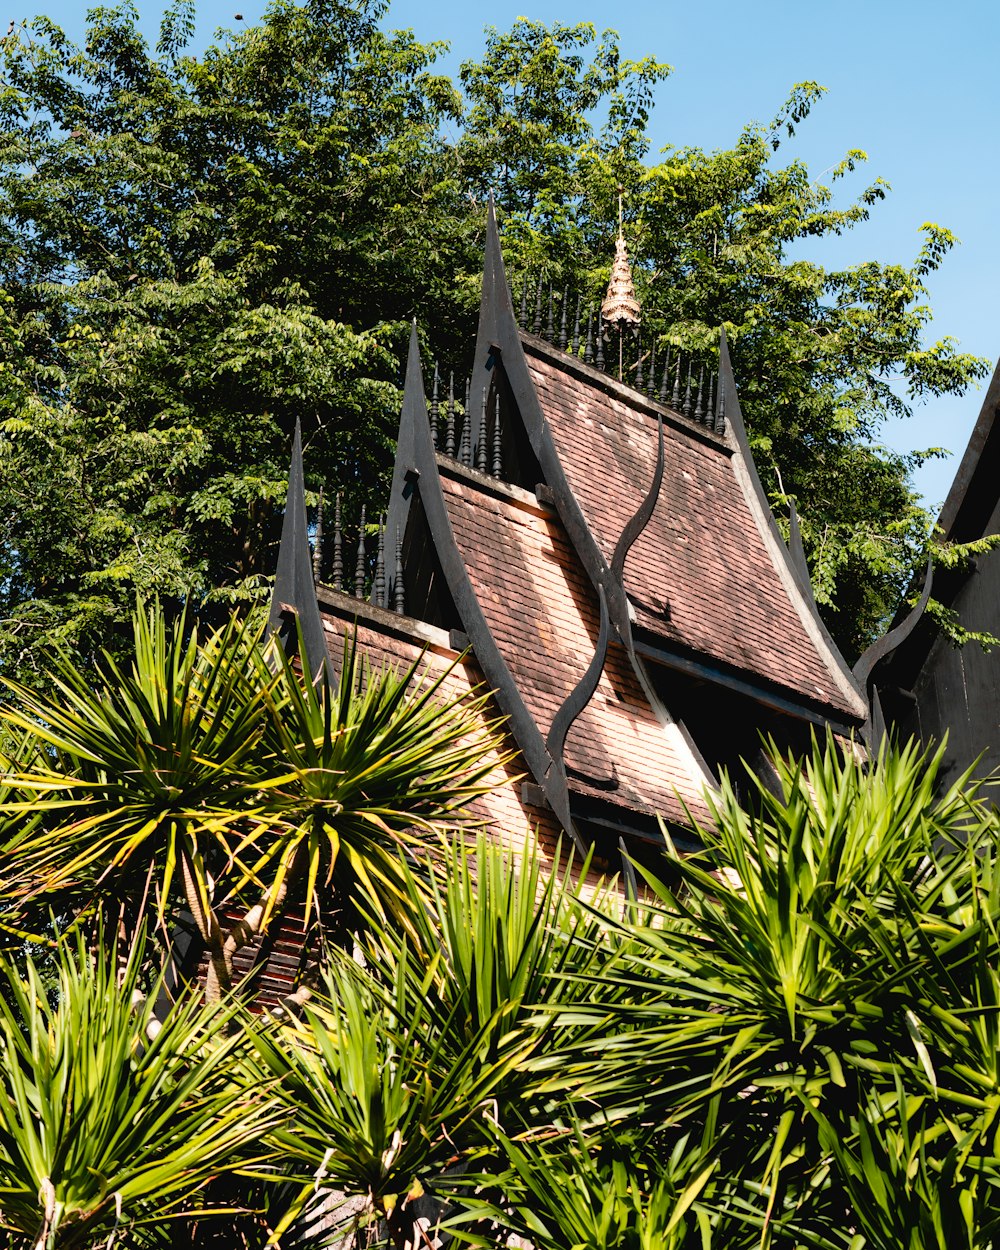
(620, 308)
(413, 422)
(293, 582)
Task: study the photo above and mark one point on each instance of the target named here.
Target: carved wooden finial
(699, 407)
(686, 406)
(378, 586)
(465, 443)
(620, 308)
(435, 408)
(449, 441)
(638, 369)
(563, 329)
(361, 566)
(398, 589)
(665, 380)
(588, 350)
(497, 443)
(550, 327)
(576, 328)
(481, 457)
(338, 548)
(318, 540)
(675, 397)
(536, 325)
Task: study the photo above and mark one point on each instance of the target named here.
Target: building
(928, 686)
(600, 554)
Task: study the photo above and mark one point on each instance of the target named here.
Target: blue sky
(911, 83)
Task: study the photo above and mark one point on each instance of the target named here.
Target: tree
(556, 122)
(197, 250)
(193, 254)
(109, 1130)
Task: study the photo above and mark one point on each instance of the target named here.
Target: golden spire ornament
(620, 308)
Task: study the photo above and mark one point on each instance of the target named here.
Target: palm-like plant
(215, 771)
(578, 1193)
(816, 987)
(111, 1120)
(403, 1067)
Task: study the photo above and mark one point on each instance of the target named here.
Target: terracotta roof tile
(700, 576)
(544, 617)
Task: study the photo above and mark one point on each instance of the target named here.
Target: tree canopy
(196, 250)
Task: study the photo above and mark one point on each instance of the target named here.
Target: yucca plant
(585, 1193)
(370, 764)
(112, 1120)
(796, 974)
(215, 774)
(151, 771)
(421, 1043)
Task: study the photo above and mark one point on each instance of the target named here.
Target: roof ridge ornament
(620, 309)
(293, 583)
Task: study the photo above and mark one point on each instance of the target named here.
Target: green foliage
(106, 1123)
(211, 771)
(792, 1040)
(198, 250)
(194, 253)
(822, 357)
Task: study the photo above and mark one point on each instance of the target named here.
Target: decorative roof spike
(599, 356)
(665, 381)
(465, 445)
(294, 587)
(449, 438)
(639, 377)
(686, 406)
(378, 586)
(651, 384)
(536, 325)
(524, 303)
(468, 392)
(720, 419)
(575, 347)
(318, 540)
(588, 350)
(481, 446)
(497, 443)
(710, 404)
(620, 308)
(699, 407)
(675, 394)
(338, 548)
(435, 408)
(563, 335)
(398, 589)
(550, 325)
(359, 568)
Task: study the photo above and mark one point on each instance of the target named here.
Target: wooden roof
(705, 576)
(636, 561)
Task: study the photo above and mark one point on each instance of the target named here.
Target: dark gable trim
(653, 648)
(424, 474)
(973, 495)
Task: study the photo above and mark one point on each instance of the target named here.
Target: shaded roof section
(543, 615)
(974, 492)
(703, 577)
